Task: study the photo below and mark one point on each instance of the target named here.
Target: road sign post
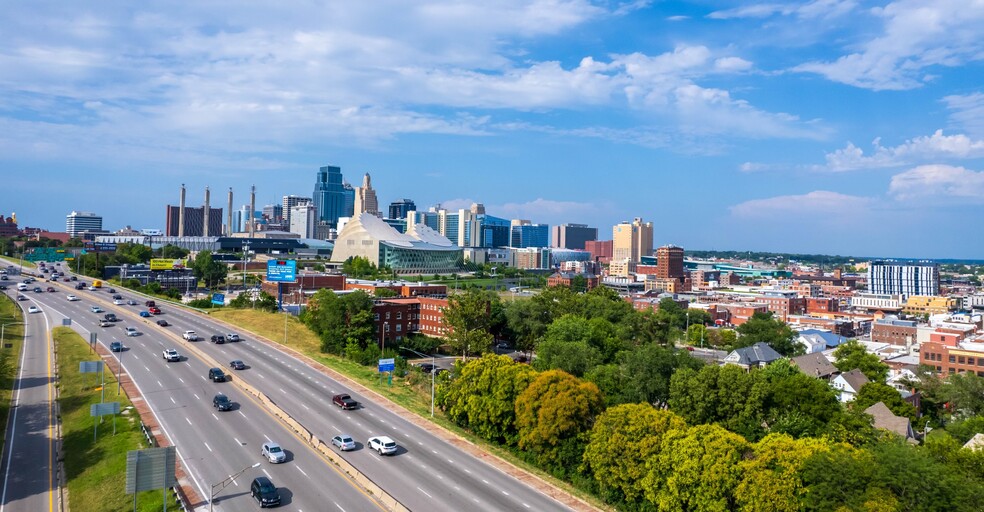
(387, 365)
(151, 469)
(100, 410)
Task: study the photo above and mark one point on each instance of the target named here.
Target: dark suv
(216, 375)
(264, 492)
(222, 402)
(218, 339)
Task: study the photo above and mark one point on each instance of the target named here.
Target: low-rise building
(928, 305)
(877, 302)
(754, 356)
(815, 365)
(849, 384)
(894, 331)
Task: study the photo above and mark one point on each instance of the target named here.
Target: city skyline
(829, 127)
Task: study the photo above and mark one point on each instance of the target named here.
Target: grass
(17, 262)
(10, 363)
(412, 393)
(96, 470)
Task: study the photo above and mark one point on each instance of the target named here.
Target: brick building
(740, 313)
(601, 250)
(822, 305)
(948, 355)
(895, 332)
(564, 279)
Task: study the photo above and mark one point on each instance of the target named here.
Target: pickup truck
(190, 336)
(171, 355)
(345, 402)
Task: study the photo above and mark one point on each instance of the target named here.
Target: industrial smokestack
(229, 215)
(252, 210)
(205, 229)
(181, 212)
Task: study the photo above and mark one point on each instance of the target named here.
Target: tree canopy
(851, 355)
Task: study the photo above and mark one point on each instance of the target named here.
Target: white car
(343, 442)
(72, 298)
(131, 331)
(105, 323)
(171, 355)
(33, 309)
(190, 336)
(273, 453)
(118, 302)
(96, 309)
(383, 445)
(232, 336)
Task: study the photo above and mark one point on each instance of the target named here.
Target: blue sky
(827, 126)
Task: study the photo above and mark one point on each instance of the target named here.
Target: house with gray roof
(815, 340)
(815, 365)
(883, 418)
(755, 356)
(975, 443)
(849, 384)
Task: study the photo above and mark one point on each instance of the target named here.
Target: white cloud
(939, 181)
(916, 35)
(817, 202)
(808, 10)
(934, 147)
(732, 64)
(968, 112)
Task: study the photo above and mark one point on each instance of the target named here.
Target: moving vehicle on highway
(96, 284)
(383, 445)
(190, 336)
(170, 355)
(216, 375)
(105, 323)
(344, 442)
(95, 309)
(111, 317)
(273, 453)
(131, 331)
(145, 314)
(37, 289)
(154, 310)
(222, 402)
(117, 302)
(345, 401)
(264, 492)
(237, 365)
(131, 302)
(116, 346)
(33, 309)
(218, 339)
(163, 323)
(51, 289)
(72, 298)
(230, 337)
(21, 297)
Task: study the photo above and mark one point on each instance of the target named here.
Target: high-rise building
(194, 221)
(365, 198)
(669, 262)
(572, 236)
(328, 198)
(290, 202)
(240, 219)
(526, 234)
(399, 209)
(348, 199)
(601, 250)
(273, 213)
(906, 279)
(303, 220)
(632, 241)
(77, 223)
(493, 232)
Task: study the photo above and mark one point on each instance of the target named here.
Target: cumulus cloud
(928, 181)
(816, 202)
(917, 35)
(934, 147)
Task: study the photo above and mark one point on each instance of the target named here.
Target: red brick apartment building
(945, 353)
(895, 332)
(822, 305)
(782, 307)
(397, 318)
(740, 313)
(402, 289)
(601, 250)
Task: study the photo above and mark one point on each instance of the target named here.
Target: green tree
(622, 442)
(553, 416)
(727, 395)
(697, 469)
(797, 404)
(841, 479)
(469, 321)
(527, 320)
(851, 355)
(764, 328)
(358, 267)
(173, 252)
(482, 396)
(579, 284)
(874, 392)
(770, 479)
(208, 269)
(341, 320)
(964, 393)
(650, 368)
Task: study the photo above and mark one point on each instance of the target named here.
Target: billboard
(281, 271)
(167, 264)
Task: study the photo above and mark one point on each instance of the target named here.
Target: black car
(264, 492)
(117, 296)
(73, 278)
(222, 402)
(218, 339)
(37, 289)
(425, 367)
(163, 323)
(116, 346)
(237, 365)
(113, 290)
(2, 287)
(216, 375)
(80, 286)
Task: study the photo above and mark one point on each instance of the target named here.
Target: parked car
(116, 346)
(222, 402)
(163, 323)
(216, 375)
(190, 336)
(264, 492)
(273, 453)
(218, 339)
(344, 401)
(230, 337)
(237, 365)
(383, 445)
(171, 355)
(343, 442)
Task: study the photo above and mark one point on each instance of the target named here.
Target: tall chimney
(181, 212)
(229, 215)
(252, 210)
(205, 229)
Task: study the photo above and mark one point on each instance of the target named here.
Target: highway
(28, 459)
(211, 444)
(426, 473)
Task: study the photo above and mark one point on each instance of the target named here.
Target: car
(117, 302)
(37, 289)
(171, 355)
(116, 346)
(111, 317)
(92, 288)
(383, 445)
(73, 278)
(154, 310)
(150, 303)
(222, 402)
(145, 314)
(117, 296)
(96, 309)
(343, 442)
(273, 453)
(131, 302)
(33, 309)
(425, 367)
(237, 365)
(54, 278)
(131, 331)
(163, 323)
(264, 492)
(218, 339)
(21, 297)
(112, 290)
(2, 287)
(230, 337)
(72, 298)
(105, 323)
(80, 286)
(345, 401)
(50, 289)
(190, 336)
(216, 375)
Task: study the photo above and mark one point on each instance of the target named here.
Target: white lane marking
(450, 461)
(305, 407)
(182, 380)
(267, 438)
(207, 446)
(302, 471)
(241, 414)
(525, 505)
(267, 474)
(434, 452)
(261, 375)
(172, 400)
(196, 396)
(159, 384)
(282, 390)
(467, 471)
(237, 441)
(339, 507)
(425, 493)
(506, 493)
(189, 421)
(145, 368)
(420, 443)
(214, 416)
(485, 481)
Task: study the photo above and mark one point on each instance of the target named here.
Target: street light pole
(224, 483)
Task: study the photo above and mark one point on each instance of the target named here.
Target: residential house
(815, 365)
(757, 355)
(884, 419)
(849, 384)
(975, 443)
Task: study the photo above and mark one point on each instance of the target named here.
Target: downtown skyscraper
(329, 198)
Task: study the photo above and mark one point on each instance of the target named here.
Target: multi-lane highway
(426, 474)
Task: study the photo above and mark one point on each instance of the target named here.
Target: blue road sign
(218, 298)
(387, 365)
(281, 271)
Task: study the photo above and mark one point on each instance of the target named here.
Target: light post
(4, 326)
(224, 483)
(433, 373)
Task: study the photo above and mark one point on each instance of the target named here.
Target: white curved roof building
(419, 251)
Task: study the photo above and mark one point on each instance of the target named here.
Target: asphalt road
(212, 444)
(27, 463)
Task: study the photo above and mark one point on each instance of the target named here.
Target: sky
(826, 126)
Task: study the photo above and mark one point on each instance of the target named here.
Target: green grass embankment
(13, 335)
(96, 470)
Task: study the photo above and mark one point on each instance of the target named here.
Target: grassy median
(13, 335)
(96, 470)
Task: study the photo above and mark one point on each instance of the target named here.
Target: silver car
(343, 442)
(273, 453)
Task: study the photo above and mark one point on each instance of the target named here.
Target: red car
(154, 310)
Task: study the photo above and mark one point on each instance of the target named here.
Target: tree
(764, 328)
(874, 392)
(553, 415)
(696, 469)
(208, 269)
(469, 321)
(770, 480)
(579, 284)
(341, 322)
(726, 395)
(173, 252)
(842, 479)
(852, 354)
(650, 368)
(964, 392)
(797, 404)
(482, 396)
(358, 267)
(527, 320)
(623, 440)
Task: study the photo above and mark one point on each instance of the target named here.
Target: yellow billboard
(167, 264)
